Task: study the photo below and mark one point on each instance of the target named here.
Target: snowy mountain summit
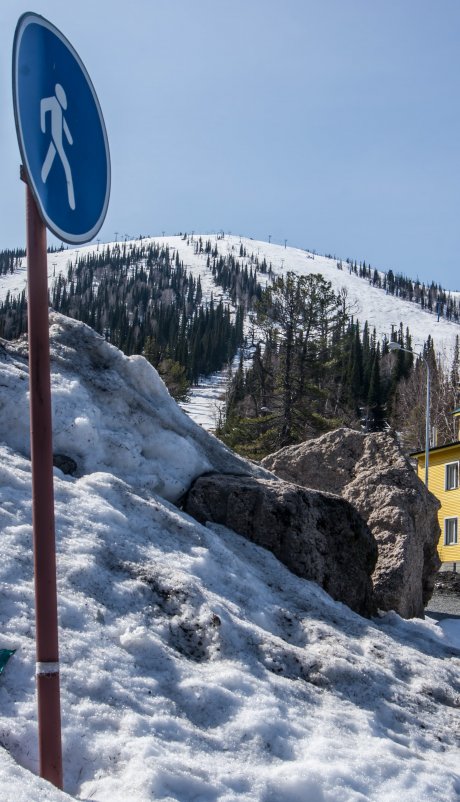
(194, 665)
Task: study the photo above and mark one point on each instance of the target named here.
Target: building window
(451, 475)
(450, 531)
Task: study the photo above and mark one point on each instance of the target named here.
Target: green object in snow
(5, 655)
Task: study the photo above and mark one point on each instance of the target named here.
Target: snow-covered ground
(195, 667)
(206, 399)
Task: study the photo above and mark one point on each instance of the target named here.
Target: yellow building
(444, 483)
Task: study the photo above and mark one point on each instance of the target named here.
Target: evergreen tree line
(409, 407)
(431, 297)
(10, 260)
(143, 300)
(314, 368)
(237, 280)
(13, 316)
(131, 294)
(200, 247)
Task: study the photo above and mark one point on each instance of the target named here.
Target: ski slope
(366, 302)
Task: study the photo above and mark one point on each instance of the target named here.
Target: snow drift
(111, 413)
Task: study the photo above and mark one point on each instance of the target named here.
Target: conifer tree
(375, 395)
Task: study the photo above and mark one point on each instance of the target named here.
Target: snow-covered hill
(194, 666)
(367, 302)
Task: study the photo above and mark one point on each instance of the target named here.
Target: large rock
(316, 535)
(371, 472)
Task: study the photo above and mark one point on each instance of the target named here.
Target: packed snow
(194, 666)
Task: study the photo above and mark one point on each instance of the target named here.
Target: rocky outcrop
(371, 472)
(316, 535)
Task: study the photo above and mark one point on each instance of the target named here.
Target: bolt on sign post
(66, 167)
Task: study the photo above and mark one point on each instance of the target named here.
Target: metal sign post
(66, 166)
(46, 621)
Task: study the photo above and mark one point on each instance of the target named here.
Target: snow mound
(111, 413)
(194, 666)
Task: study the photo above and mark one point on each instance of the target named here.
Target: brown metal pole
(47, 648)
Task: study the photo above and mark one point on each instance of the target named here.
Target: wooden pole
(47, 648)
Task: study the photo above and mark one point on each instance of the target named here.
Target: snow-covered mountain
(194, 666)
(366, 302)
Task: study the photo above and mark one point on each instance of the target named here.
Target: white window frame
(448, 465)
(451, 542)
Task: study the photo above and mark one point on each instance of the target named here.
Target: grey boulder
(318, 536)
(371, 472)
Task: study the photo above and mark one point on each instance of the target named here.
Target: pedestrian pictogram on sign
(55, 106)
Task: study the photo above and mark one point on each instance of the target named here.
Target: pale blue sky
(332, 123)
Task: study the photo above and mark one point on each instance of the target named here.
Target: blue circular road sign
(61, 131)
